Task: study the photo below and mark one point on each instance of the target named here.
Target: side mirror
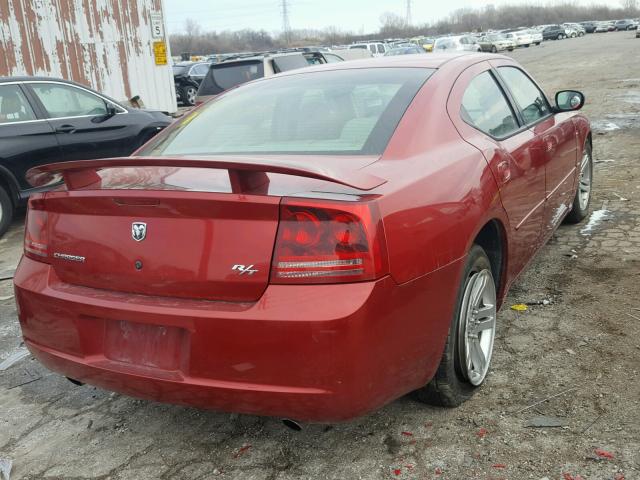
(111, 110)
(569, 100)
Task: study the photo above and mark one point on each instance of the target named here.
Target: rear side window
(529, 98)
(67, 101)
(289, 62)
(485, 107)
(14, 106)
(349, 112)
(223, 76)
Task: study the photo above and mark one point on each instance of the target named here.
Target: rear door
(80, 121)
(26, 138)
(556, 135)
(485, 118)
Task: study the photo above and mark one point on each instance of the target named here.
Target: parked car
(626, 25)
(602, 27)
(589, 27)
(412, 50)
(522, 38)
(44, 120)
(638, 32)
(425, 42)
(377, 49)
(230, 73)
(554, 32)
(187, 77)
(456, 44)
(494, 42)
(536, 36)
(292, 247)
(574, 30)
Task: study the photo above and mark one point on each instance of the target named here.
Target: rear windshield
(289, 62)
(349, 112)
(221, 76)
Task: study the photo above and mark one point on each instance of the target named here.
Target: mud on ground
(583, 348)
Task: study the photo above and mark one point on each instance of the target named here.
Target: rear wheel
(6, 211)
(582, 199)
(494, 49)
(467, 355)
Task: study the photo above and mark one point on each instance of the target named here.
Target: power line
(286, 26)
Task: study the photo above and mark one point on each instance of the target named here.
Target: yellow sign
(160, 52)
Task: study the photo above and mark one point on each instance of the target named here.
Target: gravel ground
(580, 352)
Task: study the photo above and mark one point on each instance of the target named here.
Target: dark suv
(235, 71)
(554, 32)
(46, 120)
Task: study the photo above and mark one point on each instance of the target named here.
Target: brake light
(328, 242)
(36, 235)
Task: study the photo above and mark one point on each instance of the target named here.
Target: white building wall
(105, 44)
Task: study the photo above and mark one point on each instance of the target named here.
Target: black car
(554, 32)
(589, 27)
(188, 76)
(45, 120)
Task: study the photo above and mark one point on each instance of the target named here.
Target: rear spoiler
(242, 171)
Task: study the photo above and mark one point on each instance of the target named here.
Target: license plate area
(144, 345)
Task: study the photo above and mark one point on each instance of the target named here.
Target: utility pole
(286, 27)
(407, 20)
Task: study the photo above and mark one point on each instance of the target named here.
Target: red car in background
(313, 245)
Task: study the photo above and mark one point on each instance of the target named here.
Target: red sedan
(313, 245)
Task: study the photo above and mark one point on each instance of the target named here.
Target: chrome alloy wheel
(477, 326)
(192, 93)
(584, 187)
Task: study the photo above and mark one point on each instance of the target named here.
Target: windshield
(350, 112)
(179, 69)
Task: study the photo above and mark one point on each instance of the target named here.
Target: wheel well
(492, 240)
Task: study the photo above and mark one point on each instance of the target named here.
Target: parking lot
(561, 401)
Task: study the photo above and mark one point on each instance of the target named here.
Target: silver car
(456, 44)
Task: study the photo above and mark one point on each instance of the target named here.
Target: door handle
(65, 129)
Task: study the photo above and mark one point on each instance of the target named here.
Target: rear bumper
(314, 353)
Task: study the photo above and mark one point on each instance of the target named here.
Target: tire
(452, 385)
(538, 43)
(188, 95)
(494, 49)
(6, 211)
(580, 206)
(561, 37)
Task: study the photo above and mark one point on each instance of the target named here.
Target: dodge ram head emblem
(138, 231)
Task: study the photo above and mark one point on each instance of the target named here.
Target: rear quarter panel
(441, 191)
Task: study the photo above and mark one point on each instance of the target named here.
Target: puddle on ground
(616, 122)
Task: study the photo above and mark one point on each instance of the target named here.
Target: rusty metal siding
(105, 44)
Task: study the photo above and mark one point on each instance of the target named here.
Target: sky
(349, 15)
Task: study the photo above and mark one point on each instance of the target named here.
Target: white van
(377, 49)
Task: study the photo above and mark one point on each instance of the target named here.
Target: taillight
(36, 236)
(328, 242)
